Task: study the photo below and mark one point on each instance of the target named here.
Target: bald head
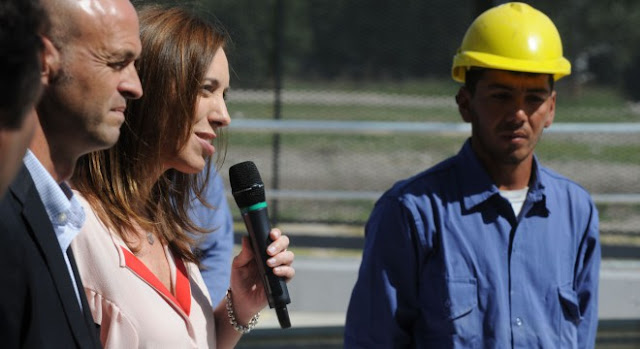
(71, 19)
(88, 78)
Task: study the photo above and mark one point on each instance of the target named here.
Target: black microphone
(248, 191)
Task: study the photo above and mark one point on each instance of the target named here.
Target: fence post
(278, 25)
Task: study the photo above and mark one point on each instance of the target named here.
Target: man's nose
(130, 87)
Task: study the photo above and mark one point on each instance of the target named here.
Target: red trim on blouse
(182, 298)
(183, 288)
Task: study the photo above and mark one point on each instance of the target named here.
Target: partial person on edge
(214, 250)
(23, 21)
(487, 249)
(88, 76)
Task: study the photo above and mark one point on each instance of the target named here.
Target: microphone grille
(243, 175)
(246, 184)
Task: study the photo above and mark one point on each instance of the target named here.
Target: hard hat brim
(462, 61)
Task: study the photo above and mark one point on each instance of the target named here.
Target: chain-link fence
(332, 172)
(336, 100)
(375, 62)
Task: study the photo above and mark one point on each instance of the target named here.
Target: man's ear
(463, 99)
(552, 110)
(50, 61)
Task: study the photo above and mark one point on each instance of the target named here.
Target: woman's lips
(205, 141)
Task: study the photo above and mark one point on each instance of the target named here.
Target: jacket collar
(41, 230)
(476, 185)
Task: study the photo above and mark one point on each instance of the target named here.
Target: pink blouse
(131, 305)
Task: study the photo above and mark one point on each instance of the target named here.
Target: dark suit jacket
(38, 305)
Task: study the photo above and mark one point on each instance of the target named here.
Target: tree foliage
(395, 40)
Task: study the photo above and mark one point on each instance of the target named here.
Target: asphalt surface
(321, 290)
(322, 287)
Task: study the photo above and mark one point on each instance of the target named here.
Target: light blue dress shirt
(215, 249)
(447, 264)
(64, 210)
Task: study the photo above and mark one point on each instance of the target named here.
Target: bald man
(88, 76)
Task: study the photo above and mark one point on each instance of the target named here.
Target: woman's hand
(247, 290)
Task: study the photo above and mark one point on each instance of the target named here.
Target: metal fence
(332, 171)
(337, 100)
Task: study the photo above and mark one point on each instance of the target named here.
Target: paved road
(321, 289)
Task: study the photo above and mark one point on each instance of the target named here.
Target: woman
(134, 256)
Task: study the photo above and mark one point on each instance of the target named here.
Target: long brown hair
(177, 49)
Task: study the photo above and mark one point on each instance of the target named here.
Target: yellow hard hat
(512, 36)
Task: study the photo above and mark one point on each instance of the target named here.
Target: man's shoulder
(13, 204)
(556, 181)
(12, 232)
(9, 209)
(25, 228)
(21, 194)
(32, 297)
(431, 180)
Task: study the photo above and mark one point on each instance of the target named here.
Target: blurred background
(335, 100)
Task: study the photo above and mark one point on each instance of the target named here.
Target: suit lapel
(41, 230)
(88, 318)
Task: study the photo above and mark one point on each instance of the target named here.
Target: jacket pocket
(463, 298)
(449, 309)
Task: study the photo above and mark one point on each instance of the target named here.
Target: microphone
(248, 191)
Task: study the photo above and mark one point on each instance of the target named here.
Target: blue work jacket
(447, 264)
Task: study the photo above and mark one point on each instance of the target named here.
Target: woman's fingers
(282, 258)
(284, 271)
(279, 244)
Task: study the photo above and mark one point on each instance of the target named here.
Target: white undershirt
(516, 198)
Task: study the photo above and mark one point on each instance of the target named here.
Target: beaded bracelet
(232, 317)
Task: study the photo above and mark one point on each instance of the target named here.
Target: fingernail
(272, 249)
(271, 261)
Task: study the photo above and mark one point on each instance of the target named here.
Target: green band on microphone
(253, 207)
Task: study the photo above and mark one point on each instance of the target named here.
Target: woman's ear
(49, 61)
(463, 99)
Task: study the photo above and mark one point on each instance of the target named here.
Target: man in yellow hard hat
(488, 249)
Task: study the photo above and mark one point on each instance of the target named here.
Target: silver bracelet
(232, 317)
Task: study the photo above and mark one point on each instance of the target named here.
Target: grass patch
(588, 104)
(349, 156)
(586, 151)
(440, 145)
(350, 212)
